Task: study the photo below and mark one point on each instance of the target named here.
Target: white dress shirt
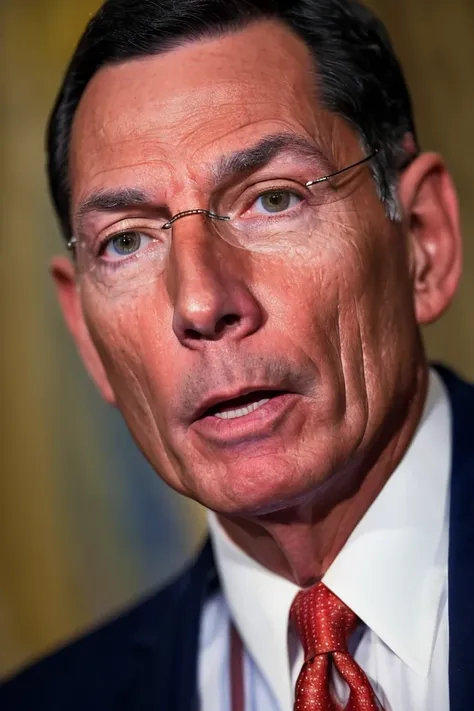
(392, 572)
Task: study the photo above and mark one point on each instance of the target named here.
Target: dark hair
(358, 73)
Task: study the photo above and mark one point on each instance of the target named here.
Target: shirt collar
(391, 572)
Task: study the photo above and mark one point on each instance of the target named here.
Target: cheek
(128, 332)
(361, 298)
(345, 300)
(313, 285)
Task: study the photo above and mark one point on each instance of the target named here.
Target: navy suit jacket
(146, 660)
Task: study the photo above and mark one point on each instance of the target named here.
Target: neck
(300, 542)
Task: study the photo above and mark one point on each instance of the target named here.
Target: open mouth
(241, 406)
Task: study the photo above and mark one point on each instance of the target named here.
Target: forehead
(169, 114)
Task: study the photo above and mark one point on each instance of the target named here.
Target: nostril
(225, 322)
(191, 334)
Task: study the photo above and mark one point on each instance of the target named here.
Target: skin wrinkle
(341, 351)
(339, 300)
(144, 400)
(345, 362)
(333, 316)
(363, 366)
(151, 416)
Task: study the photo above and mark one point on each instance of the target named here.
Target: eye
(275, 201)
(125, 244)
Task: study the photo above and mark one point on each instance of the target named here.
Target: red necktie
(324, 624)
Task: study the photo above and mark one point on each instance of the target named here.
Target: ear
(431, 210)
(64, 276)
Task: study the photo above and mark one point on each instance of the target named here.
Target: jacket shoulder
(461, 394)
(95, 670)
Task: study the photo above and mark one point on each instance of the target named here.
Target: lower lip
(257, 424)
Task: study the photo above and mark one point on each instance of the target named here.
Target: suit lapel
(165, 651)
(204, 578)
(461, 546)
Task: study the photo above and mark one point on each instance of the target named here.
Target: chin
(262, 485)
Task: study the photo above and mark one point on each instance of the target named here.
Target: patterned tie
(324, 624)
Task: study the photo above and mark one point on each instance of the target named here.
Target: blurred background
(85, 526)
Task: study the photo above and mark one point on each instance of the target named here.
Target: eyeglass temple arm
(343, 170)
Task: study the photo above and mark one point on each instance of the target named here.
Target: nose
(206, 280)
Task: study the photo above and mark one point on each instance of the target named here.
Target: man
(256, 241)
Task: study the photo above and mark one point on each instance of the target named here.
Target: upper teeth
(231, 414)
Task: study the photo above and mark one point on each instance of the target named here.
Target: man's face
(324, 331)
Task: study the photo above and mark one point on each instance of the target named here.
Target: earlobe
(64, 276)
(431, 211)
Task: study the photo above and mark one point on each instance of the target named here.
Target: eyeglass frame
(71, 244)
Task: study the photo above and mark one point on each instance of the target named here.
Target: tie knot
(322, 620)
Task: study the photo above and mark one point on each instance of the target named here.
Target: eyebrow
(245, 160)
(110, 201)
(258, 156)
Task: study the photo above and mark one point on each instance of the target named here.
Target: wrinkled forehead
(177, 112)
